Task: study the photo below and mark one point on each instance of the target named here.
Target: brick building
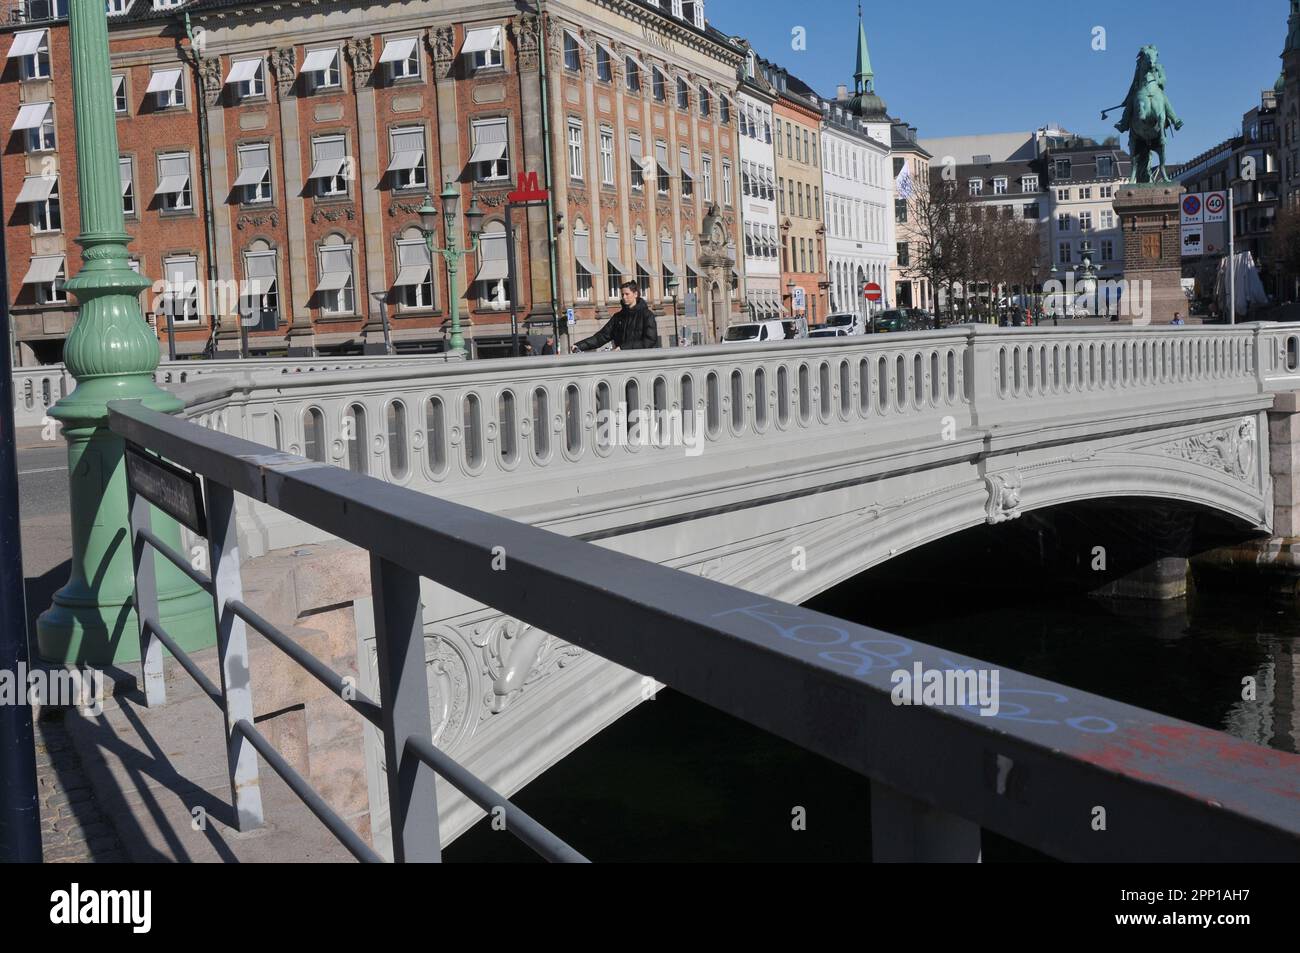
(284, 151)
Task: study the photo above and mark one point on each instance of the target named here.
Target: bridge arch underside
(798, 547)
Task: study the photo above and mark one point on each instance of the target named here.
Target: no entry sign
(871, 291)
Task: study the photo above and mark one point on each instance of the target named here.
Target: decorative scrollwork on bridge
(1230, 450)
(1004, 495)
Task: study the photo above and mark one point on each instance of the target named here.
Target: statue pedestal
(1150, 220)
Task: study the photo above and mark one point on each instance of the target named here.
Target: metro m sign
(528, 190)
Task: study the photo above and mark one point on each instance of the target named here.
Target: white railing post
(232, 652)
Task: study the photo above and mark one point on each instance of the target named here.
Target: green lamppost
(451, 254)
(112, 354)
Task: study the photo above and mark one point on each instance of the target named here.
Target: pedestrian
(526, 349)
(549, 346)
(632, 328)
(1178, 318)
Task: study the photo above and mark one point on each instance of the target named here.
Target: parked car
(823, 332)
(851, 322)
(756, 331)
(895, 320)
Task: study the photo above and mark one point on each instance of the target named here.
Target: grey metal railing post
(146, 599)
(232, 651)
(404, 697)
(905, 830)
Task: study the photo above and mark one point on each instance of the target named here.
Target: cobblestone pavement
(73, 829)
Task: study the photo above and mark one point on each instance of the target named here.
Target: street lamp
(451, 254)
(1036, 296)
(1089, 274)
(672, 290)
(789, 287)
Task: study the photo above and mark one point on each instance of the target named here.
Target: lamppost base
(78, 630)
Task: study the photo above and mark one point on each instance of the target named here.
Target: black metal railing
(1036, 771)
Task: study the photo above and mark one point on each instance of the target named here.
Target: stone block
(1283, 428)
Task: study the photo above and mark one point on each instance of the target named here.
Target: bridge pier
(1270, 563)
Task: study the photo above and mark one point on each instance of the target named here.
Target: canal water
(675, 780)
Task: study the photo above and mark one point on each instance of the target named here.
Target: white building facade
(758, 200)
(858, 186)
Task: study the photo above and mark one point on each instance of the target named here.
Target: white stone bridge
(812, 462)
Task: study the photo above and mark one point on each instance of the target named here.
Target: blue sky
(957, 68)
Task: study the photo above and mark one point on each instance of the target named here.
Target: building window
(631, 75)
(1105, 167)
(1108, 191)
(900, 211)
(976, 186)
(683, 94)
(330, 165)
(47, 275)
(248, 77)
(583, 266)
(33, 49)
(41, 194)
(687, 173)
(174, 181)
(1085, 193)
(260, 302)
(1107, 218)
(778, 138)
(168, 88)
(726, 182)
(408, 167)
(119, 94)
(322, 68)
(1064, 252)
(657, 85)
(724, 111)
(1031, 211)
(1085, 221)
(1063, 169)
(1063, 222)
(575, 149)
(491, 283)
(1062, 195)
(706, 102)
(414, 282)
(38, 120)
(335, 290)
(490, 138)
(706, 177)
(572, 58)
(1107, 249)
(603, 71)
(606, 155)
(904, 256)
(484, 47)
(255, 173)
(402, 55)
(116, 7)
(663, 174)
(127, 174)
(636, 170)
(181, 275)
(1029, 183)
(1000, 185)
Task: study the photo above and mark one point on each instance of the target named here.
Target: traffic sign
(871, 291)
(528, 190)
(1193, 211)
(1216, 206)
(569, 315)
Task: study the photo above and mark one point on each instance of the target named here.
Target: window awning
(612, 257)
(482, 40)
(690, 256)
(124, 170)
(488, 152)
(257, 287)
(317, 61)
(118, 82)
(492, 269)
(412, 275)
(334, 281)
(637, 60)
(643, 259)
(243, 71)
(171, 184)
(27, 43)
(31, 116)
(163, 81)
(672, 268)
(405, 161)
(582, 44)
(252, 175)
(585, 264)
(397, 50)
(684, 160)
(37, 188)
(43, 270)
(328, 167)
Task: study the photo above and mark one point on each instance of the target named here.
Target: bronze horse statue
(1147, 115)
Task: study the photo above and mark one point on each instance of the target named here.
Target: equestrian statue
(1147, 115)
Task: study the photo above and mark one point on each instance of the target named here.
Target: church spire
(862, 75)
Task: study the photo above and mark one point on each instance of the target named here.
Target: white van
(848, 322)
(755, 331)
